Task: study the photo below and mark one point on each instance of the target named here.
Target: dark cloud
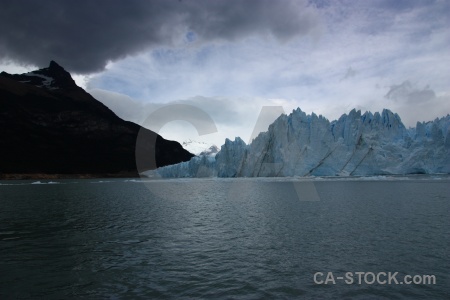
(405, 5)
(408, 93)
(350, 73)
(83, 35)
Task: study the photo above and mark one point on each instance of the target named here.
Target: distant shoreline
(25, 176)
(39, 176)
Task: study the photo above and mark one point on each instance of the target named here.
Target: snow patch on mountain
(200, 148)
(40, 80)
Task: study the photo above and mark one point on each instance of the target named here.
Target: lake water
(223, 238)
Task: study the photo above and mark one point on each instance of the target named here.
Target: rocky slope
(49, 125)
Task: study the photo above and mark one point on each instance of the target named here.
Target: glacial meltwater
(273, 238)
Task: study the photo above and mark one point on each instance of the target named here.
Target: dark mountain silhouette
(49, 125)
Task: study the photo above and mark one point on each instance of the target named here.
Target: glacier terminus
(309, 145)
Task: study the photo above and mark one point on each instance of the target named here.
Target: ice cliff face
(305, 145)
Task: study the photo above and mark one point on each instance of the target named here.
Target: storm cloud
(85, 35)
(407, 92)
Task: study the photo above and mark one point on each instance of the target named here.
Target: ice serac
(310, 145)
(231, 157)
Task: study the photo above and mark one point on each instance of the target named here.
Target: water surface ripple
(221, 239)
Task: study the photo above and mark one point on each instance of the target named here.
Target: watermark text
(373, 278)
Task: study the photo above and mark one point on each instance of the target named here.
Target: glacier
(309, 145)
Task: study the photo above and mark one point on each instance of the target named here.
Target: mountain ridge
(200, 148)
(52, 126)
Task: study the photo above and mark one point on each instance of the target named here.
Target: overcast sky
(232, 57)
